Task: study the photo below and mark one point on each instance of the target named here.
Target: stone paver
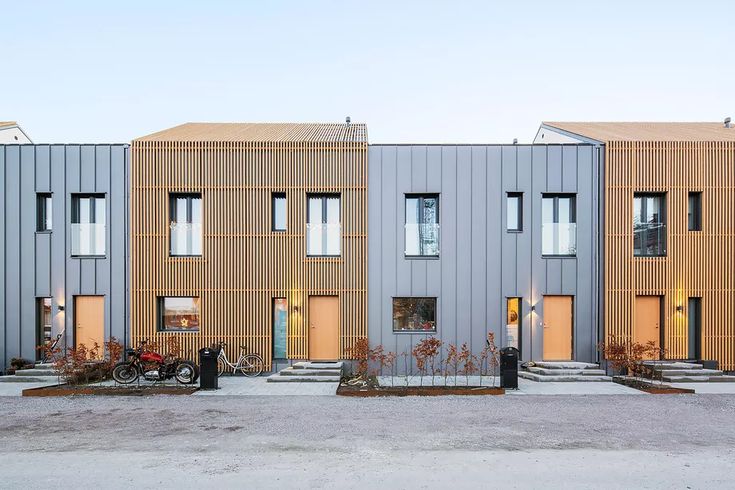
(16, 389)
(712, 388)
(242, 386)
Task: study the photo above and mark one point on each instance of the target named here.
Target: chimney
(727, 123)
(347, 120)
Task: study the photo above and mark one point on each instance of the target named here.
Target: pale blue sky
(416, 71)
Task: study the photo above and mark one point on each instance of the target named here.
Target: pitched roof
(263, 132)
(648, 131)
(4, 124)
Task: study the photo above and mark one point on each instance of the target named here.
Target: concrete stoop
(686, 372)
(564, 371)
(40, 373)
(309, 372)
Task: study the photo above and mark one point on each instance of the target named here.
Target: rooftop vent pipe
(727, 123)
(347, 120)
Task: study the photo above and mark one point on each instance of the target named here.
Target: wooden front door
(323, 328)
(89, 321)
(558, 328)
(647, 320)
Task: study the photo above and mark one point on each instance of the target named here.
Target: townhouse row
(296, 240)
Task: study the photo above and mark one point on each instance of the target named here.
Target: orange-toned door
(89, 321)
(323, 328)
(558, 328)
(647, 320)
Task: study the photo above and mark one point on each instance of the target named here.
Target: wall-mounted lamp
(296, 308)
(60, 307)
(679, 308)
(533, 307)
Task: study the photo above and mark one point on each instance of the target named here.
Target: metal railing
(87, 239)
(559, 239)
(649, 239)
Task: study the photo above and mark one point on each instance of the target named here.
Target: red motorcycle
(153, 367)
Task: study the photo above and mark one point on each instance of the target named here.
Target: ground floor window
(414, 314)
(280, 324)
(43, 322)
(513, 323)
(178, 314)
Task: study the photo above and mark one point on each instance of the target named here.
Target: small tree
(469, 363)
(360, 351)
(629, 356)
(451, 361)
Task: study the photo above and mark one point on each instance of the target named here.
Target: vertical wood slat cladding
(697, 264)
(244, 265)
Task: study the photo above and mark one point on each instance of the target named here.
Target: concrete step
(668, 365)
(289, 371)
(277, 378)
(689, 372)
(566, 372)
(725, 378)
(563, 379)
(28, 379)
(565, 365)
(318, 365)
(688, 379)
(44, 365)
(35, 372)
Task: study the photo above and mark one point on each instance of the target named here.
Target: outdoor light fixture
(60, 307)
(679, 308)
(533, 307)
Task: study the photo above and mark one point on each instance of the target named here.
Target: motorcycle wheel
(185, 373)
(124, 373)
(251, 365)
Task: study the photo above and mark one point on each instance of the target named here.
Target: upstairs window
(694, 218)
(186, 224)
(559, 225)
(278, 210)
(649, 225)
(88, 225)
(422, 225)
(514, 212)
(323, 229)
(43, 212)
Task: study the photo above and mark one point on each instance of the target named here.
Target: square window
(178, 314)
(278, 209)
(414, 315)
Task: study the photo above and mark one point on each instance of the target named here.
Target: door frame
(308, 323)
(74, 318)
(661, 317)
(572, 320)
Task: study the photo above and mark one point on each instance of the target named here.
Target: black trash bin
(509, 367)
(208, 369)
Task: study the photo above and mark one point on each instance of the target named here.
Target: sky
(414, 71)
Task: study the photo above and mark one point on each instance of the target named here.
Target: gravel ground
(665, 441)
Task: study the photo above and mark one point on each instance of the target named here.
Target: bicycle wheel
(220, 366)
(251, 365)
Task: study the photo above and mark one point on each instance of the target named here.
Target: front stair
(564, 371)
(40, 373)
(309, 372)
(685, 372)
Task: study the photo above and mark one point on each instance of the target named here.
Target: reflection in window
(694, 217)
(179, 313)
(43, 324)
(88, 224)
(186, 224)
(513, 323)
(649, 225)
(323, 234)
(43, 212)
(280, 325)
(559, 227)
(422, 226)
(279, 211)
(414, 314)
(514, 216)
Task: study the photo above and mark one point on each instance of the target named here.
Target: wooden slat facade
(244, 265)
(697, 263)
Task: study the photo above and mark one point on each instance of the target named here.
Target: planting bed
(371, 391)
(66, 390)
(651, 388)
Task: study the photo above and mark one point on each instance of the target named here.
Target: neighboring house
(251, 234)
(469, 239)
(669, 275)
(11, 133)
(64, 246)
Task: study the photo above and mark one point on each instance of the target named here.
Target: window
(186, 224)
(514, 213)
(694, 328)
(43, 323)
(414, 315)
(43, 212)
(88, 225)
(278, 209)
(422, 226)
(280, 325)
(178, 314)
(649, 225)
(695, 211)
(559, 224)
(513, 324)
(323, 230)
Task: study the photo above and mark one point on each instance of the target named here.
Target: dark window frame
(662, 219)
(274, 197)
(694, 213)
(520, 320)
(40, 325)
(555, 196)
(172, 216)
(696, 343)
(508, 197)
(93, 196)
(44, 210)
(421, 196)
(324, 196)
(273, 327)
(414, 332)
(160, 322)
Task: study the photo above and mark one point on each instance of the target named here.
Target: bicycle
(250, 365)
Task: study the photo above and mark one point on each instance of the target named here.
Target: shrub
(81, 364)
(425, 352)
(360, 351)
(19, 363)
(629, 356)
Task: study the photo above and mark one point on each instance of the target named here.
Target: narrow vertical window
(514, 212)
(88, 217)
(422, 225)
(694, 330)
(280, 326)
(186, 224)
(43, 324)
(278, 210)
(43, 212)
(513, 323)
(695, 211)
(324, 228)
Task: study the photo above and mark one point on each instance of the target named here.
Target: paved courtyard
(619, 441)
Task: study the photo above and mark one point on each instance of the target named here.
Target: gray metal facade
(480, 264)
(40, 264)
